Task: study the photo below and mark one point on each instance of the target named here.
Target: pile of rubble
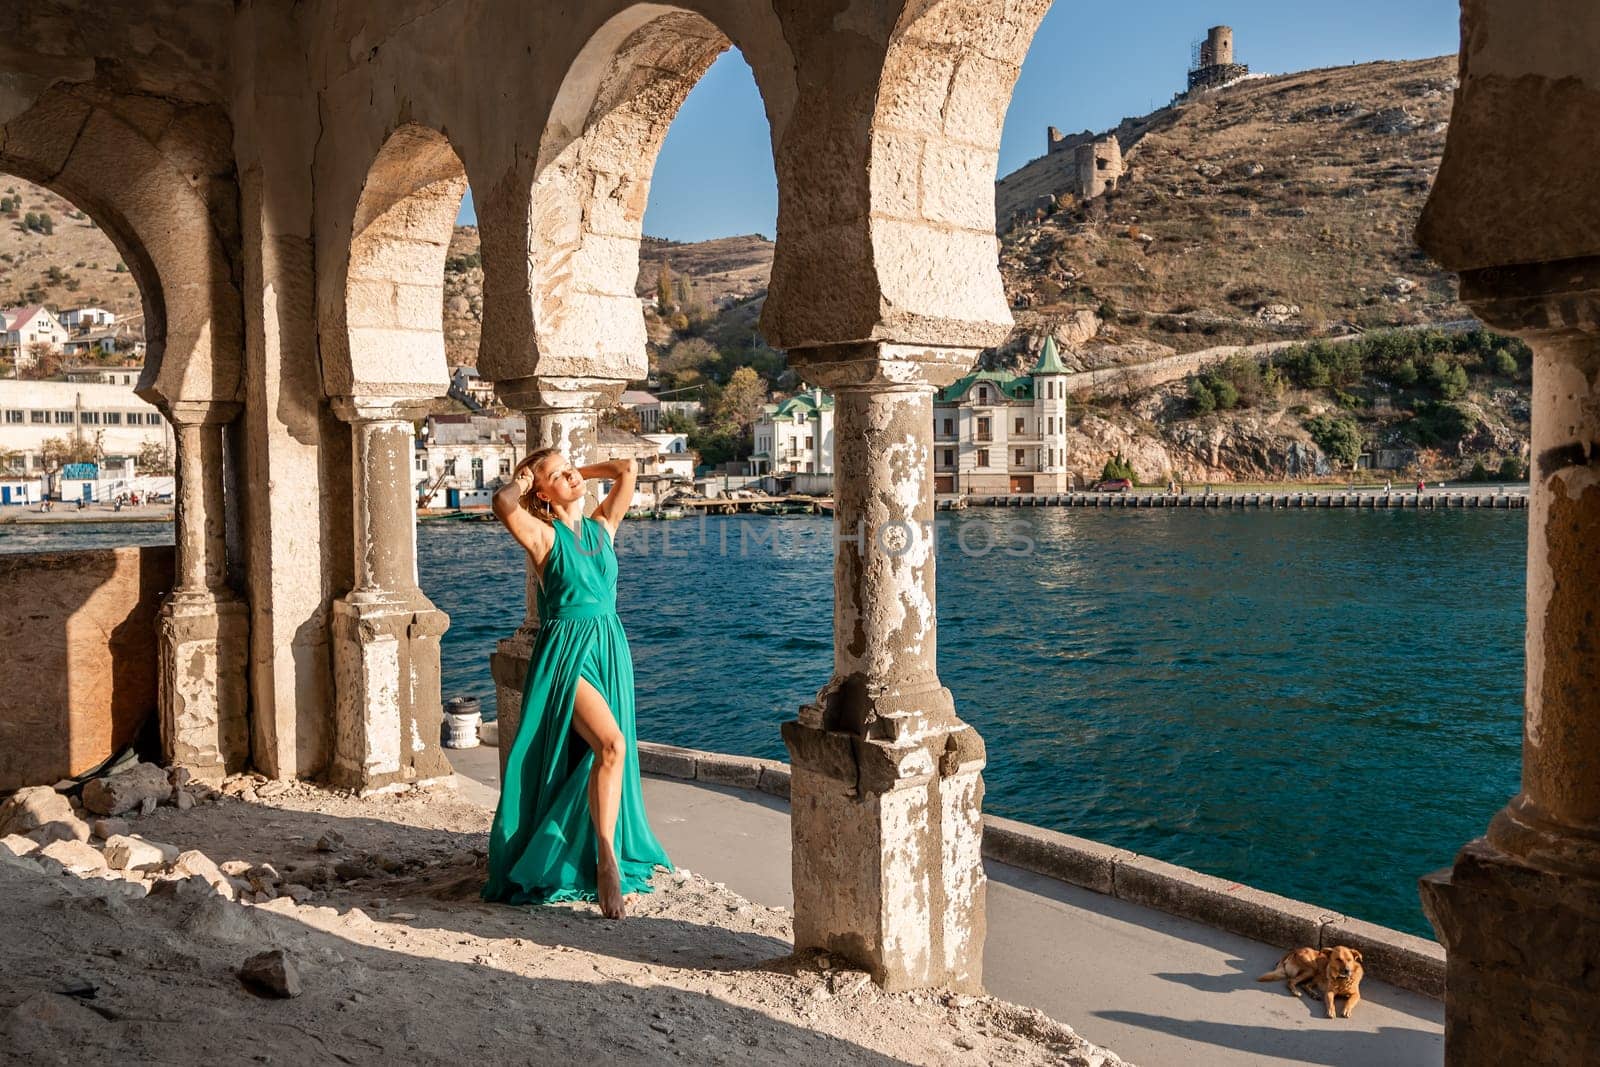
(351, 929)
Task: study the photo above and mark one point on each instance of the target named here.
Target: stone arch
(155, 215)
(386, 335)
(592, 183)
(948, 75)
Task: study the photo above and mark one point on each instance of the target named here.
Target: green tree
(742, 400)
(1453, 386)
(686, 362)
(7, 205)
(1511, 470)
(1405, 374)
(47, 225)
(1118, 467)
(1201, 400)
(1338, 436)
(1504, 363)
(664, 288)
(675, 421)
(30, 221)
(154, 458)
(1227, 396)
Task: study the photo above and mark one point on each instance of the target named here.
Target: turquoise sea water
(1324, 704)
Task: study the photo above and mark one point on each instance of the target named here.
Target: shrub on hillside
(1118, 467)
(1201, 399)
(1511, 470)
(1503, 363)
(1443, 422)
(1338, 436)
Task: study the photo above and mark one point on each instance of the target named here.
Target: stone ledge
(1399, 958)
(1391, 956)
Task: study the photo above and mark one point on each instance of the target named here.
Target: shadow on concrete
(1334, 1047)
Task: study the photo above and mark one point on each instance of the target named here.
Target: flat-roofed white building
(33, 412)
(83, 318)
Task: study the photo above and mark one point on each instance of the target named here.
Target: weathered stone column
(887, 782)
(204, 628)
(1519, 912)
(562, 413)
(385, 631)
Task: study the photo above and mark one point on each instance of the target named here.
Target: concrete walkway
(1158, 990)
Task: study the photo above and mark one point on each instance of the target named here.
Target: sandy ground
(400, 962)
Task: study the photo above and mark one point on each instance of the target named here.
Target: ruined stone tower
(1098, 166)
(1212, 62)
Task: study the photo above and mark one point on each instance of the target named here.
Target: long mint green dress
(542, 843)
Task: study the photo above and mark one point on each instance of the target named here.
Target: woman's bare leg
(592, 718)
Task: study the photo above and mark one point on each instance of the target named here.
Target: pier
(1426, 501)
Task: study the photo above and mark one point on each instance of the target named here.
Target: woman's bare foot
(608, 878)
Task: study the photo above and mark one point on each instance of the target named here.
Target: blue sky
(1090, 65)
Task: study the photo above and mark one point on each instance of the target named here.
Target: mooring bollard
(463, 717)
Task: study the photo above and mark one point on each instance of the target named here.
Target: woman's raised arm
(623, 476)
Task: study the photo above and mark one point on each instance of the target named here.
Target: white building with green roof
(795, 436)
(999, 432)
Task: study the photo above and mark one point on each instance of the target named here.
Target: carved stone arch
(384, 312)
(590, 184)
(947, 79)
(159, 223)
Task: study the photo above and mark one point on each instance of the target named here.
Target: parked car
(1113, 485)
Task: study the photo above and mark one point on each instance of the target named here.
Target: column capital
(1537, 298)
(355, 409)
(201, 412)
(550, 393)
(877, 365)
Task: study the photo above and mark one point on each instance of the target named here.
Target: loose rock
(271, 974)
(330, 841)
(126, 853)
(18, 845)
(29, 809)
(133, 788)
(106, 829)
(76, 856)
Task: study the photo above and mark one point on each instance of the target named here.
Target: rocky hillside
(1280, 207)
(68, 263)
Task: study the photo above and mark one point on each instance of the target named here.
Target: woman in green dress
(571, 822)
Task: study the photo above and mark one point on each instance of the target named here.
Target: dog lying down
(1335, 971)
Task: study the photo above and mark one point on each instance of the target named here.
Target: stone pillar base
(205, 724)
(508, 666)
(1523, 959)
(888, 865)
(388, 716)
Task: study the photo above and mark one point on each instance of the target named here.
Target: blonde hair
(539, 509)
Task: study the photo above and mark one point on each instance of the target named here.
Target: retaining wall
(1391, 956)
(1437, 501)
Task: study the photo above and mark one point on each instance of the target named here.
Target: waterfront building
(459, 460)
(998, 432)
(795, 436)
(111, 413)
(25, 327)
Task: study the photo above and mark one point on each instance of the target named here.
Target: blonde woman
(571, 823)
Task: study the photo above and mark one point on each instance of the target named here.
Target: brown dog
(1337, 972)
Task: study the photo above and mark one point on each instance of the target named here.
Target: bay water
(1323, 703)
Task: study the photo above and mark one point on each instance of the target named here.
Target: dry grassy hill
(76, 265)
(1276, 208)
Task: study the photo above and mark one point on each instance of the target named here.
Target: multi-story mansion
(796, 435)
(1000, 432)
